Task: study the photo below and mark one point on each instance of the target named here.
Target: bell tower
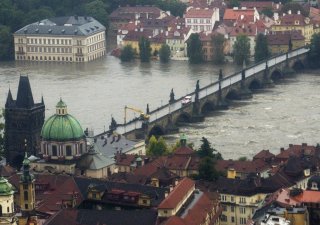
(23, 122)
(26, 187)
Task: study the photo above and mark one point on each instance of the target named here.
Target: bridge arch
(184, 117)
(207, 107)
(298, 65)
(255, 84)
(276, 75)
(157, 131)
(232, 95)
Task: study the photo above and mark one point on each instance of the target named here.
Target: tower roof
(9, 101)
(5, 187)
(24, 96)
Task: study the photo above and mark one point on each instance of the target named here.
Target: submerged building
(62, 39)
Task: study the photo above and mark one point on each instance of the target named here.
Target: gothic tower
(23, 123)
(27, 190)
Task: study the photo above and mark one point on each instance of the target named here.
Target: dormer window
(314, 186)
(296, 22)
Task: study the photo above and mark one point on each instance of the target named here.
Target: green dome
(62, 126)
(5, 187)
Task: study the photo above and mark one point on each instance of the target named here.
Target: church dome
(5, 187)
(62, 126)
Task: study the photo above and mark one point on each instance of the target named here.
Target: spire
(26, 176)
(9, 99)
(61, 108)
(42, 101)
(183, 140)
(24, 96)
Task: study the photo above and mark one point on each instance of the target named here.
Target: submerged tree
(164, 53)
(261, 49)
(314, 53)
(207, 151)
(241, 49)
(194, 49)
(127, 54)
(218, 45)
(144, 49)
(157, 147)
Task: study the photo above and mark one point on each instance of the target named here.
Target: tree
(207, 169)
(234, 3)
(314, 53)
(145, 49)
(207, 151)
(294, 7)
(127, 54)
(261, 51)
(267, 12)
(97, 9)
(218, 45)
(157, 147)
(164, 53)
(194, 49)
(6, 43)
(243, 158)
(241, 49)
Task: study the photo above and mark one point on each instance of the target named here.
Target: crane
(144, 117)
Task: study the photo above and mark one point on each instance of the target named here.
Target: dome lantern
(61, 108)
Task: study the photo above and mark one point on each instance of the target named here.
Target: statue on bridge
(197, 91)
(171, 100)
(113, 124)
(148, 110)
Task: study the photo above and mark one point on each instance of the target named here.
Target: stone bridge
(239, 85)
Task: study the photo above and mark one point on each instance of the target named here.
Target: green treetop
(261, 49)
(194, 49)
(241, 49)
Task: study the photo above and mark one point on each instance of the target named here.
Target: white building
(64, 39)
(199, 19)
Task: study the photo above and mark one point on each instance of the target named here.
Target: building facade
(199, 19)
(61, 39)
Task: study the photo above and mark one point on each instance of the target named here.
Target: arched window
(25, 195)
(0, 210)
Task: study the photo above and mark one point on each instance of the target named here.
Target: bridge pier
(244, 92)
(221, 103)
(287, 70)
(267, 82)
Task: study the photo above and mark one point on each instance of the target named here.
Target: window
(243, 220)
(68, 150)
(232, 219)
(224, 208)
(81, 148)
(232, 199)
(223, 198)
(26, 206)
(224, 218)
(25, 195)
(94, 195)
(25, 186)
(242, 200)
(54, 150)
(242, 210)
(232, 208)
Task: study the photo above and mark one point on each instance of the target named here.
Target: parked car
(186, 100)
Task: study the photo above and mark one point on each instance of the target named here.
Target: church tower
(27, 191)
(7, 214)
(23, 123)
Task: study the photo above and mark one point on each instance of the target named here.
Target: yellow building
(62, 39)
(278, 42)
(291, 22)
(133, 37)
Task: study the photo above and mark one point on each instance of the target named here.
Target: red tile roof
(296, 150)
(174, 220)
(290, 19)
(282, 38)
(308, 196)
(258, 5)
(234, 14)
(177, 194)
(264, 155)
(244, 28)
(199, 13)
(242, 166)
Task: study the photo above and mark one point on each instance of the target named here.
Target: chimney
(166, 194)
(298, 12)
(290, 145)
(281, 149)
(167, 33)
(176, 182)
(289, 11)
(171, 188)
